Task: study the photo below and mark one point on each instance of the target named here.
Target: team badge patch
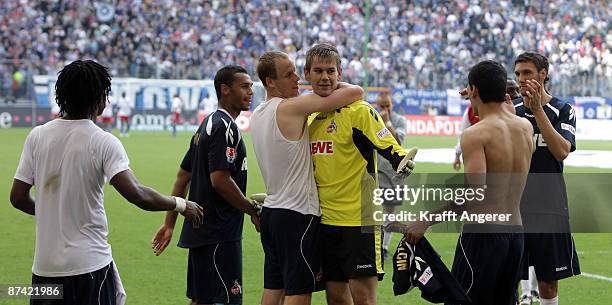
(236, 289)
(332, 127)
(230, 153)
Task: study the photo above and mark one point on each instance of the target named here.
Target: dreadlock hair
(80, 88)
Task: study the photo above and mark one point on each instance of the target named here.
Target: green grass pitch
(148, 279)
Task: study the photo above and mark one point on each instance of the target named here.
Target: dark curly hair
(80, 88)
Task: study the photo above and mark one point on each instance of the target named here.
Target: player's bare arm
(20, 197)
(292, 112)
(475, 166)
(163, 236)
(226, 187)
(307, 104)
(149, 199)
(558, 146)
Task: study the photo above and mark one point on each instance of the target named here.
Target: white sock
(386, 240)
(533, 279)
(525, 287)
(554, 301)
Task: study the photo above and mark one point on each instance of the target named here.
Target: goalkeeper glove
(404, 169)
(257, 201)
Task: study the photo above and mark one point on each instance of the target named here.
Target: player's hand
(457, 163)
(256, 222)
(257, 201)
(414, 231)
(384, 114)
(161, 239)
(533, 101)
(194, 212)
(406, 166)
(464, 93)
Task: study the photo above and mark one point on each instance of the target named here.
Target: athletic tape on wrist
(181, 204)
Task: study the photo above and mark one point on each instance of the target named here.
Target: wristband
(181, 204)
(388, 124)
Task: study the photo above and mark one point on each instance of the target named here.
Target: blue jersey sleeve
(566, 126)
(223, 146)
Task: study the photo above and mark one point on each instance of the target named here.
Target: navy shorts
(488, 265)
(292, 251)
(214, 273)
(92, 288)
(553, 255)
(351, 252)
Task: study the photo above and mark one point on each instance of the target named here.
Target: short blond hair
(266, 67)
(322, 51)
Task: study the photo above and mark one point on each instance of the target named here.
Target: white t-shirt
(108, 111)
(177, 104)
(286, 165)
(69, 161)
(125, 107)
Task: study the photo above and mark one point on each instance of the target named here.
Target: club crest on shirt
(230, 153)
(236, 289)
(332, 127)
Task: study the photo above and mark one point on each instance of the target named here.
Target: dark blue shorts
(291, 245)
(214, 273)
(553, 255)
(91, 288)
(488, 265)
(351, 252)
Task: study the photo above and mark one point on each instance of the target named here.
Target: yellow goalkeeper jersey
(343, 145)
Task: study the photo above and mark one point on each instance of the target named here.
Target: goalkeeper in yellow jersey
(344, 144)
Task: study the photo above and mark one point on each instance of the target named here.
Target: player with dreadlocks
(69, 160)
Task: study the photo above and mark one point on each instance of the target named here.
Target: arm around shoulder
(307, 104)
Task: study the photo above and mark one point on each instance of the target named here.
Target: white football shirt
(68, 162)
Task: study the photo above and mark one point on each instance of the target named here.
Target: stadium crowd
(411, 44)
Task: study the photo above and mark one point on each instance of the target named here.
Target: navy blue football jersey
(216, 145)
(545, 192)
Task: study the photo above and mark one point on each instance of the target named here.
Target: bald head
(384, 102)
(512, 89)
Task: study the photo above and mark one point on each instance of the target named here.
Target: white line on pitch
(595, 276)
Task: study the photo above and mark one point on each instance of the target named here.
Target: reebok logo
(561, 268)
(322, 148)
(364, 266)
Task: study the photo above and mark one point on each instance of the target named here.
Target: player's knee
(364, 296)
(337, 299)
(364, 299)
(548, 290)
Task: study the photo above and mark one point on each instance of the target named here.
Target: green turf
(154, 157)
